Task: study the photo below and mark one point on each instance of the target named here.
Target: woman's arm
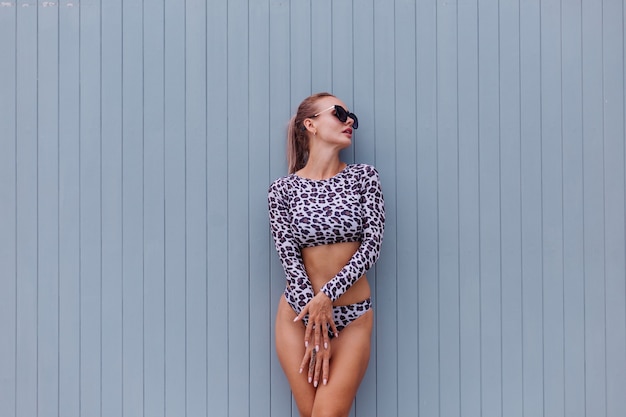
(373, 218)
(300, 290)
(316, 312)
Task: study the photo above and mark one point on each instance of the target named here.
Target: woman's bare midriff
(323, 262)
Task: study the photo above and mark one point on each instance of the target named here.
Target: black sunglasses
(341, 114)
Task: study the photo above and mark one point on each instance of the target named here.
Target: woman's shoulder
(279, 185)
(364, 170)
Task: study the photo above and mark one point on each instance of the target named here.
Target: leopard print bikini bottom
(342, 315)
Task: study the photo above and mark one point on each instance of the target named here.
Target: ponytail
(297, 146)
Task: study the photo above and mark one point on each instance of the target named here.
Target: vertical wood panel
(341, 27)
(573, 249)
(510, 170)
(112, 230)
(448, 208)
(175, 218)
(260, 245)
(322, 48)
(90, 210)
(552, 209)
(342, 60)
(132, 210)
(48, 212)
(429, 379)
(69, 212)
(196, 130)
(217, 197)
(469, 210)
(489, 200)
(614, 184)
(363, 75)
(8, 209)
(532, 262)
(238, 243)
(594, 206)
(153, 209)
(299, 64)
(26, 207)
(405, 103)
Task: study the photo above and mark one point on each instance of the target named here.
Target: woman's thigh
(290, 350)
(350, 357)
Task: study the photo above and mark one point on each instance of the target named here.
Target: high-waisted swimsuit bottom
(342, 315)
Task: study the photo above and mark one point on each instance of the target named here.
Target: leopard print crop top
(348, 207)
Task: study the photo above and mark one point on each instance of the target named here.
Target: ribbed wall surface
(137, 142)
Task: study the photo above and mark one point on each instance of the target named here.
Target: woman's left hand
(320, 311)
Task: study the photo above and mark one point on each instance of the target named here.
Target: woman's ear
(308, 125)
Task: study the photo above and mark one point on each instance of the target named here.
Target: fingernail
(325, 381)
(317, 348)
(296, 319)
(300, 371)
(325, 345)
(336, 334)
(310, 379)
(315, 384)
(306, 343)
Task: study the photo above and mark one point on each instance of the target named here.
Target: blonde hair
(297, 135)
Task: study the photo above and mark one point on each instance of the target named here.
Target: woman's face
(328, 128)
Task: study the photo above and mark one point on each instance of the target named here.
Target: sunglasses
(341, 114)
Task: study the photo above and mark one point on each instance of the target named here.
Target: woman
(327, 219)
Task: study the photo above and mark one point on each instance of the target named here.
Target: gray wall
(137, 141)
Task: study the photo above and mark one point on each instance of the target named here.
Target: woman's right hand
(316, 362)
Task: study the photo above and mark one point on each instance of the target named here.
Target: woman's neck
(322, 168)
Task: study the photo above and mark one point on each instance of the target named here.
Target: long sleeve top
(348, 207)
